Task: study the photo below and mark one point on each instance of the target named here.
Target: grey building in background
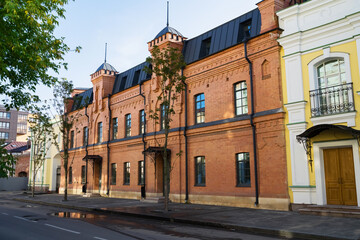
(12, 124)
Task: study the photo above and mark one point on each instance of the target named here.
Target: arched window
(331, 85)
(331, 73)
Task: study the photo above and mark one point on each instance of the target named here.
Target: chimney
(268, 9)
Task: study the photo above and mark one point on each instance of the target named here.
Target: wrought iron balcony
(332, 100)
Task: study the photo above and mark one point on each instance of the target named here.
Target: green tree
(61, 101)
(28, 48)
(7, 163)
(41, 134)
(166, 64)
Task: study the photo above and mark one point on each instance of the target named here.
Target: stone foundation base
(282, 204)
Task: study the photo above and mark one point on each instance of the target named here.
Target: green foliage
(41, 134)
(166, 65)
(28, 47)
(62, 97)
(7, 163)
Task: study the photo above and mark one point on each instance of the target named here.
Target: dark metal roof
(156, 150)
(316, 130)
(92, 157)
(223, 36)
(130, 78)
(168, 29)
(106, 66)
(82, 99)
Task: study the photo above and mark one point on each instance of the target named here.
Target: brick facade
(219, 139)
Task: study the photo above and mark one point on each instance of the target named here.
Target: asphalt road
(31, 221)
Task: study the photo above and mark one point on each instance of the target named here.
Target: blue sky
(127, 25)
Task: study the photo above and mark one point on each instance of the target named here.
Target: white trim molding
(319, 167)
(348, 118)
(296, 112)
(327, 55)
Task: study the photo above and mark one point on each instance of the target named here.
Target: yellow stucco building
(321, 88)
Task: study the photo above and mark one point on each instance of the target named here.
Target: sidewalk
(274, 223)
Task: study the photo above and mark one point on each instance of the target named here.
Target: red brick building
(229, 122)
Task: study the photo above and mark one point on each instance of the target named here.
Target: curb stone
(244, 229)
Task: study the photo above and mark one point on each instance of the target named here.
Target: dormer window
(244, 30)
(122, 84)
(136, 78)
(205, 47)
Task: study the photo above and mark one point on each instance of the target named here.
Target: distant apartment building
(13, 124)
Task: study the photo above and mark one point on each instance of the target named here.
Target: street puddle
(76, 215)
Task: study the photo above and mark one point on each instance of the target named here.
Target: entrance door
(97, 176)
(58, 175)
(340, 176)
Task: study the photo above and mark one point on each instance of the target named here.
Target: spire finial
(167, 23)
(105, 51)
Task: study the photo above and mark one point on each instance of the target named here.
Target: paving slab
(276, 223)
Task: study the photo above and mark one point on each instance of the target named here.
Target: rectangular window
(126, 173)
(85, 136)
(242, 169)
(200, 108)
(113, 174)
(205, 47)
(142, 122)
(127, 125)
(22, 118)
(115, 128)
(5, 125)
(83, 174)
(70, 175)
(200, 171)
(5, 115)
(241, 102)
(72, 139)
(4, 135)
(21, 128)
(141, 173)
(99, 132)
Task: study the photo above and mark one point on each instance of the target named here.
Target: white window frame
(349, 117)
(327, 56)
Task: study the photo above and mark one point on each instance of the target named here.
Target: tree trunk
(166, 175)
(33, 177)
(66, 178)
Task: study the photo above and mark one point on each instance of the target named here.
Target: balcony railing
(332, 100)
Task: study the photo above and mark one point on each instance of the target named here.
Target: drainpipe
(108, 148)
(252, 123)
(86, 149)
(186, 145)
(143, 136)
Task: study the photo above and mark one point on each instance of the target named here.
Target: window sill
(112, 184)
(200, 185)
(243, 185)
(126, 184)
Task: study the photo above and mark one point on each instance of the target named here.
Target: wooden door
(340, 176)
(97, 176)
